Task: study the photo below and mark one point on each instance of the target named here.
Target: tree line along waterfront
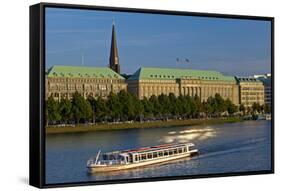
(124, 106)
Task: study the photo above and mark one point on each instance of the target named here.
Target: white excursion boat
(120, 160)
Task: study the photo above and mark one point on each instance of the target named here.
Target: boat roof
(158, 147)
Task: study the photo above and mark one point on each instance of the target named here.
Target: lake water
(232, 147)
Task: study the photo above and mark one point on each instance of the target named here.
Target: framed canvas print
(128, 95)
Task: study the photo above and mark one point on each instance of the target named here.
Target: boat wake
(243, 146)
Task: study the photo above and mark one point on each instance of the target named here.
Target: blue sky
(231, 46)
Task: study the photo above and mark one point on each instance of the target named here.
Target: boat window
(175, 151)
(180, 150)
(136, 158)
(149, 156)
(165, 153)
(111, 157)
(154, 154)
(130, 158)
(184, 150)
(170, 152)
(160, 153)
(104, 157)
(143, 157)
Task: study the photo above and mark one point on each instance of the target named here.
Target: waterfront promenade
(132, 125)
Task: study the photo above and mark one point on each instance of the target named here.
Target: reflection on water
(183, 136)
(235, 147)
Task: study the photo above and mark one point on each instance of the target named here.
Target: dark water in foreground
(235, 147)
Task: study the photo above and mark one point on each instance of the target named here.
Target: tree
(81, 108)
(230, 107)
(92, 102)
(113, 106)
(209, 106)
(256, 107)
(65, 110)
(219, 105)
(164, 102)
(101, 109)
(267, 108)
(156, 107)
(184, 105)
(174, 107)
(127, 107)
(147, 107)
(138, 108)
(242, 109)
(88, 111)
(53, 114)
(198, 105)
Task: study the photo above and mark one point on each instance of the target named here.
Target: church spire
(113, 58)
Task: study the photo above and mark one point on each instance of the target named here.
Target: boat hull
(108, 168)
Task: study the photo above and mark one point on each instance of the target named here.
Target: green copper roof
(82, 72)
(247, 79)
(171, 73)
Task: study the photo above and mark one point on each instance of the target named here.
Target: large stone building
(146, 82)
(266, 80)
(63, 81)
(251, 91)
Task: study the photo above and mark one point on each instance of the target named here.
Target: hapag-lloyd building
(155, 81)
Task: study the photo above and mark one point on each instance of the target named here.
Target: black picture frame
(37, 93)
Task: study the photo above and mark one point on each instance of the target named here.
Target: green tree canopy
(65, 107)
(81, 108)
(52, 113)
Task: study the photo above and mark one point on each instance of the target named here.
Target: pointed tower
(113, 58)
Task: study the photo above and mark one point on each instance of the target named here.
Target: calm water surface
(235, 147)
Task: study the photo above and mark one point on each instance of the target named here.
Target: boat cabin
(156, 152)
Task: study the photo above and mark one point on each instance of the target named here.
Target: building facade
(63, 81)
(266, 80)
(251, 91)
(155, 81)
